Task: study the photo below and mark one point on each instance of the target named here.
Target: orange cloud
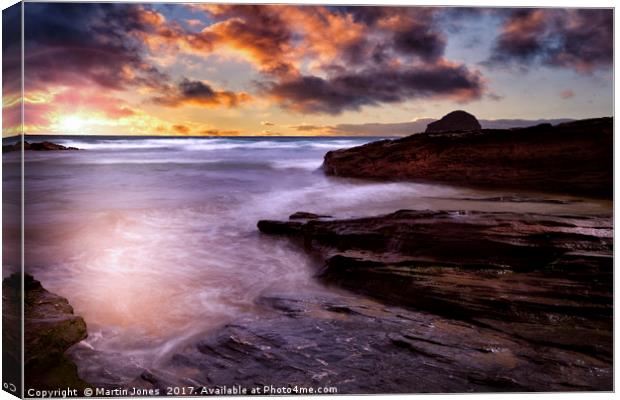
(182, 129)
(200, 93)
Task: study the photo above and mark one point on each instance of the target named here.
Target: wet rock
(8, 148)
(361, 346)
(455, 121)
(546, 280)
(511, 199)
(50, 328)
(307, 215)
(279, 227)
(46, 146)
(571, 158)
(39, 146)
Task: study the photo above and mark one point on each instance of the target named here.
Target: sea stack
(455, 121)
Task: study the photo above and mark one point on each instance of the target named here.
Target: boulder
(50, 328)
(455, 121)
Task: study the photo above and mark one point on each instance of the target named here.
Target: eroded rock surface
(362, 346)
(570, 158)
(541, 281)
(50, 329)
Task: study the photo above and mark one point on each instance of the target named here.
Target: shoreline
(366, 316)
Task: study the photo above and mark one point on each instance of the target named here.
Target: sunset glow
(189, 69)
(71, 124)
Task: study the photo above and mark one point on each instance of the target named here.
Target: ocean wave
(208, 144)
(214, 164)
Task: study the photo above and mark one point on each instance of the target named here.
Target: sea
(153, 240)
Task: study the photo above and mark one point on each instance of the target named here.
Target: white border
(475, 3)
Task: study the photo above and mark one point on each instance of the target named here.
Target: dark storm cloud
(199, 93)
(71, 43)
(422, 40)
(312, 94)
(196, 89)
(412, 31)
(577, 39)
(11, 70)
(11, 49)
(398, 56)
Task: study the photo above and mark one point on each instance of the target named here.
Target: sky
(220, 70)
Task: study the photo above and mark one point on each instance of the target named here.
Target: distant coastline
(403, 129)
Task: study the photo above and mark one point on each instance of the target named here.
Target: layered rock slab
(50, 328)
(356, 346)
(545, 280)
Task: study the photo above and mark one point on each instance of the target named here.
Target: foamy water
(154, 241)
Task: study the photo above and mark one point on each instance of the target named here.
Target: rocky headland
(509, 301)
(570, 158)
(50, 328)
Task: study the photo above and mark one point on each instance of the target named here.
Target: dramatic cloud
(200, 93)
(75, 44)
(577, 39)
(257, 30)
(11, 50)
(355, 56)
(11, 71)
(312, 94)
(105, 65)
(421, 40)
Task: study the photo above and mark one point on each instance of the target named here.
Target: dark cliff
(571, 158)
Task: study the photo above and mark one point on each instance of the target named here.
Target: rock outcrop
(545, 282)
(360, 346)
(39, 146)
(455, 121)
(50, 328)
(570, 158)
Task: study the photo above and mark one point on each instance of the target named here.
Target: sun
(71, 123)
